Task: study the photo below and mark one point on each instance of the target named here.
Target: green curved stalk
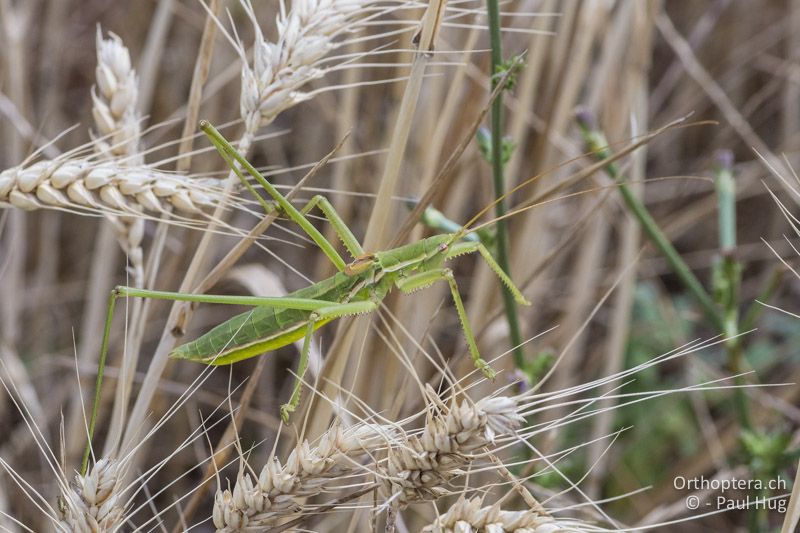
(596, 142)
(98, 383)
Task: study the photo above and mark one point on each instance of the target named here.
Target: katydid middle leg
(326, 313)
(425, 279)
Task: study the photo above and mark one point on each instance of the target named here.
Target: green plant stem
(727, 275)
(98, 383)
(597, 143)
(730, 278)
(493, 9)
(726, 205)
(435, 219)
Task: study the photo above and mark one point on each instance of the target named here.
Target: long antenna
(586, 172)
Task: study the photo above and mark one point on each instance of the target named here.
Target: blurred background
(604, 298)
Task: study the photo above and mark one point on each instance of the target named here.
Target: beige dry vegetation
(396, 431)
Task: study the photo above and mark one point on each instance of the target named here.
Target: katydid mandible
(358, 287)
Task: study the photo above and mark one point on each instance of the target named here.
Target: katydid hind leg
(322, 309)
(279, 302)
(101, 366)
(229, 153)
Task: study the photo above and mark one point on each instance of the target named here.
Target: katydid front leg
(462, 248)
(230, 154)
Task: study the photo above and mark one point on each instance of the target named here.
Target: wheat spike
(470, 516)
(254, 504)
(306, 35)
(114, 101)
(92, 503)
(419, 468)
(114, 108)
(106, 187)
(116, 182)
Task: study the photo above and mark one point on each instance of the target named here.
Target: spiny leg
(425, 279)
(325, 313)
(462, 248)
(230, 154)
(339, 226)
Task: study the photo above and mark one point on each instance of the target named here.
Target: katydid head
(439, 244)
(439, 247)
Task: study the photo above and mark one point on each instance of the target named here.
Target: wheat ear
(470, 516)
(307, 34)
(105, 187)
(116, 182)
(92, 503)
(114, 101)
(277, 492)
(116, 117)
(419, 468)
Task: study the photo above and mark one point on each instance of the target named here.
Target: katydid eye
(443, 247)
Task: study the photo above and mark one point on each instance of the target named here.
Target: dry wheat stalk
(92, 503)
(469, 516)
(419, 468)
(253, 505)
(306, 34)
(107, 187)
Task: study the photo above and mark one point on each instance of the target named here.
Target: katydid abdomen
(263, 329)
